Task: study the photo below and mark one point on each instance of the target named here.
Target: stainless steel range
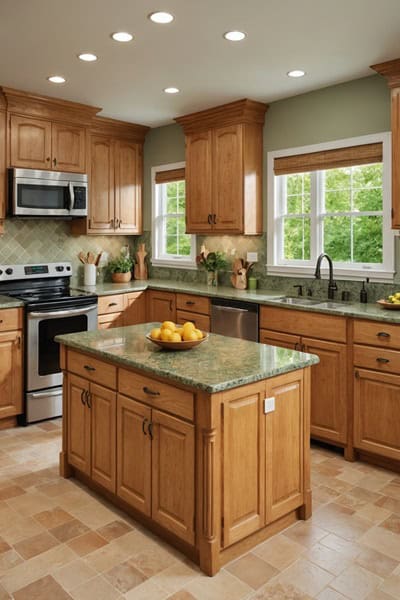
(51, 308)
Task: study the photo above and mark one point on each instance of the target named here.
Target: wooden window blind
(329, 159)
(169, 176)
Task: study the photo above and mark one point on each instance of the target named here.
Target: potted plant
(212, 262)
(121, 268)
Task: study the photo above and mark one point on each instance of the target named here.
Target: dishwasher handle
(230, 309)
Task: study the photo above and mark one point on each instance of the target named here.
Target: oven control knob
(60, 268)
(1, 272)
(9, 271)
(68, 268)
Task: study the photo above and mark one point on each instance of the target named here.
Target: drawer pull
(83, 397)
(88, 399)
(144, 426)
(383, 334)
(150, 430)
(112, 304)
(1, 320)
(190, 302)
(89, 368)
(382, 360)
(150, 391)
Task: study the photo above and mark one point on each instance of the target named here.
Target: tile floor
(59, 541)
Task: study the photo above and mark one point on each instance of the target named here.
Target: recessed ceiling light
(171, 90)
(87, 57)
(122, 36)
(296, 73)
(234, 36)
(161, 17)
(56, 79)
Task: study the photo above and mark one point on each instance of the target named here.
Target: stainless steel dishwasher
(234, 318)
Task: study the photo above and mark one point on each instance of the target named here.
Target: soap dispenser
(363, 293)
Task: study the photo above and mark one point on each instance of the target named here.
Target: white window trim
(386, 273)
(157, 260)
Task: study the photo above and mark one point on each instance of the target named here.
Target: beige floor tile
(114, 529)
(341, 521)
(279, 591)
(4, 547)
(147, 591)
(305, 533)
(252, 569)
(87, 543)
(73, 574)
(52, 518)
(182, 595)
(9, 560)
(20, 529)
(124, 577)
(107, 557)
(11, 491)
(389, 503)
(69, 530)
(306, 576)
(383, 541)
(46, 587)
(379, 595)
(392, 523)
(59, 488)
(391, 586)
(94, 516)
(177, 577)
(392, 489)
(4, 595)
(222, 586)
(376, 481)
(153, 561)
(373, 513)
(346, 548)
(331, 560)
(35, 545)
(356, 583)
(31, 503)
(279, 551)
(95, 589)
(378, 563)
(330, 594)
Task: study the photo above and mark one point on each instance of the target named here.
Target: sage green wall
(350, 109)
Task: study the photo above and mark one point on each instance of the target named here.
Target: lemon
(199, 334)
(179, 330)
(155, 333)
(168, 325)
(190, 336)
(165, 335)
(175, 337)
(188, 326)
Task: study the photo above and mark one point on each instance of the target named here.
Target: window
(172, 247)
(332, 198)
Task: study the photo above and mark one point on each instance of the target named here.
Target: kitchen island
(209, 447)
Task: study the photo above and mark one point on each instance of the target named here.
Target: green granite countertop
(6, 302)
(260, 296)
(219, 363)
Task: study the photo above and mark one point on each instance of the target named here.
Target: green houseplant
(212, 262)
(121, 269)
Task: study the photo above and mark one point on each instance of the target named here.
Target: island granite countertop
(219, 363)
(266, 297)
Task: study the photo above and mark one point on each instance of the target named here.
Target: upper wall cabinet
(391, 71)
(224, 148)
(115, 159)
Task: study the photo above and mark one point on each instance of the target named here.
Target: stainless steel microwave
(47, 194)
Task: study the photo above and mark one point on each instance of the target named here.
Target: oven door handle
(46, 394)
(63, 313)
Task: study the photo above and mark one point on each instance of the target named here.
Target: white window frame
(160, 259)
(277, 266)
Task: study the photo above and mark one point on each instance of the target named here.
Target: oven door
(42, 352)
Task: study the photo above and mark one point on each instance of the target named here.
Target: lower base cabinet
(11, 373)
(376, 413)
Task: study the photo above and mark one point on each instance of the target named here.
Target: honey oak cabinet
(3, 171)
(196, 309)
(40, 144)
(135, 311)
(118, 310)
(91, 413)
(11, 371)
(325, 336)
(224, 168)
(161, 306)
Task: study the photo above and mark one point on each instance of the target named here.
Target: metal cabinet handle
(190, 302)
(209, 217)
(88, 399)
(112, 304)
(170, 305)
(150, 391)
(1, 320)
(150, 430)
(383, 334)
(89, 368)
(297, 346)
(54, 161)
(144, 425)
(48, 159)
(83, 392)
(382, 360)
(215, 219)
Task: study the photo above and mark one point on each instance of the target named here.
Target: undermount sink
(300, 301)
(330, 304)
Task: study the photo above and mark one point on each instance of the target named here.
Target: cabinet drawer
(156, 394)
(193, 303)
(383, 335)
(90, 368)
(111, 320)
(201, 321)
(378, 359)
(111, 304)
(325, 327)
(10, 319)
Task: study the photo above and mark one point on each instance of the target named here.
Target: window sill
(174, 264)
(344, 274)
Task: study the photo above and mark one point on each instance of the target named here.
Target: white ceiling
(332, 40)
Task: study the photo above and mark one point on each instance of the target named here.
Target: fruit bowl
(178, 345)
(387, 304)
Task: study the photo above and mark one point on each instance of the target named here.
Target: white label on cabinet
(269, 405)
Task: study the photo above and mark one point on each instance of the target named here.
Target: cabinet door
(198, 182)
(376, 413)
(101, 185)
(227, 179)
(78, 424)
(10, 374)
(30, 143)
(284, 445)
(111, 320)
(161, 306)
(328, 390)
(103, 425)
(243, 426)
(283, 340)
(202, 322)
(134, 454)
(135, 312)
(68, 148)
(173, 487)
(128, 184)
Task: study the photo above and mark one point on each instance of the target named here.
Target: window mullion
(315, 218)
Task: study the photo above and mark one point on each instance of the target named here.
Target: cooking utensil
(90, 258)
(82, 257)
(97, 261)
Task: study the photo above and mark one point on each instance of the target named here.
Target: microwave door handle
(71, 195)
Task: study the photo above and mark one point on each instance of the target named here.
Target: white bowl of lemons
(177, 337)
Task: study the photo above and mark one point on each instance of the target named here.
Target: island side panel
(305, 511)
(208, 480)
(65, 469)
